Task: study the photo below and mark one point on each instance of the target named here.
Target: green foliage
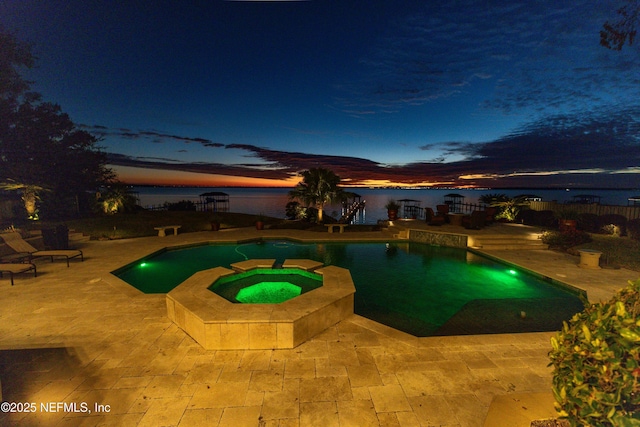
(508, 208)
(493, 198)
(622, 31)
(596, 363)
(30, 196)
(633, 228)
(569, 214)
(291, 210)
(618, 252)
(117, 198)
(613, 224)
(40, 147)
(141, 223)
(318, 188)
(588, 222)
(392, 205)
(541, 218)
(14, 55)
(565, 239)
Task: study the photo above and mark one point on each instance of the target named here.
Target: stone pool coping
(109, 324)
(218, 324)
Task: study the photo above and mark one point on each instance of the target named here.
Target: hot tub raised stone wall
(217, 324)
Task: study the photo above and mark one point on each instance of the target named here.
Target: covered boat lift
(410, 208)
(585, 199)
(454, 201)
(215, 201)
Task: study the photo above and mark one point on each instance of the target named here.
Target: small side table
(589, 258)
(455, 218)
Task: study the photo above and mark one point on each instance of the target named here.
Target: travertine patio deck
(75, 335)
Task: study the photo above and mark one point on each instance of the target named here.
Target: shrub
(606, 221)
(392, 205)
(565, 239)
(509, 209)
(540, 218)
(527, 217)
(308, 214)
(596, 363)
(633, 228)
(291, 210)
(588, 222)
(546, 219)
(569, 214)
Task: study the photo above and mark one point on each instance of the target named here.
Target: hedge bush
(539, 218)
(633, 228)
(588, 222)
(596, 363)
(565, 239)
(604, 221)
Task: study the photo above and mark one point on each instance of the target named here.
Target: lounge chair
(18, 244)
(432, 218)
(475, 221)
(443, 211)
(17, 268)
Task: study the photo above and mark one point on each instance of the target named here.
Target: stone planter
(589, 258)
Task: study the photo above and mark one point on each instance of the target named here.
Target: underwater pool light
(143, 264)
(513, 272)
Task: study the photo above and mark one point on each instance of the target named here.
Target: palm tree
(508, 208)
(117, 198)
(30, 196)
(318, 187)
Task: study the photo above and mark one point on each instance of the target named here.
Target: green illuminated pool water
(420, 289)
(266, 286)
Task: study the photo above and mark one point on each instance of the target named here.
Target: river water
(272, 201)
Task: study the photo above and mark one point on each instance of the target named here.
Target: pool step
(398, 232)
(505, 242)
(77, 237)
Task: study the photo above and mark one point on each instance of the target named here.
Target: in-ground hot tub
(266, 285)
(219, 324)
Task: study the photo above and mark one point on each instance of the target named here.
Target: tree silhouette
(318, 188)
(623, 31)
(40, 147)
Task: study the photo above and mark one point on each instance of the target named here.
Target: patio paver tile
(77, 334)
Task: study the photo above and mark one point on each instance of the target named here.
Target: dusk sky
(489, 93)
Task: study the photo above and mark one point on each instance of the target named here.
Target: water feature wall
(438, 238)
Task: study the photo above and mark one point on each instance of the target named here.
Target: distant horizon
(393, 187)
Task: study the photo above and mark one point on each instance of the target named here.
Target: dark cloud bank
(589, 150)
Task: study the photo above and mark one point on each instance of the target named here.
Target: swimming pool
(417, 288)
